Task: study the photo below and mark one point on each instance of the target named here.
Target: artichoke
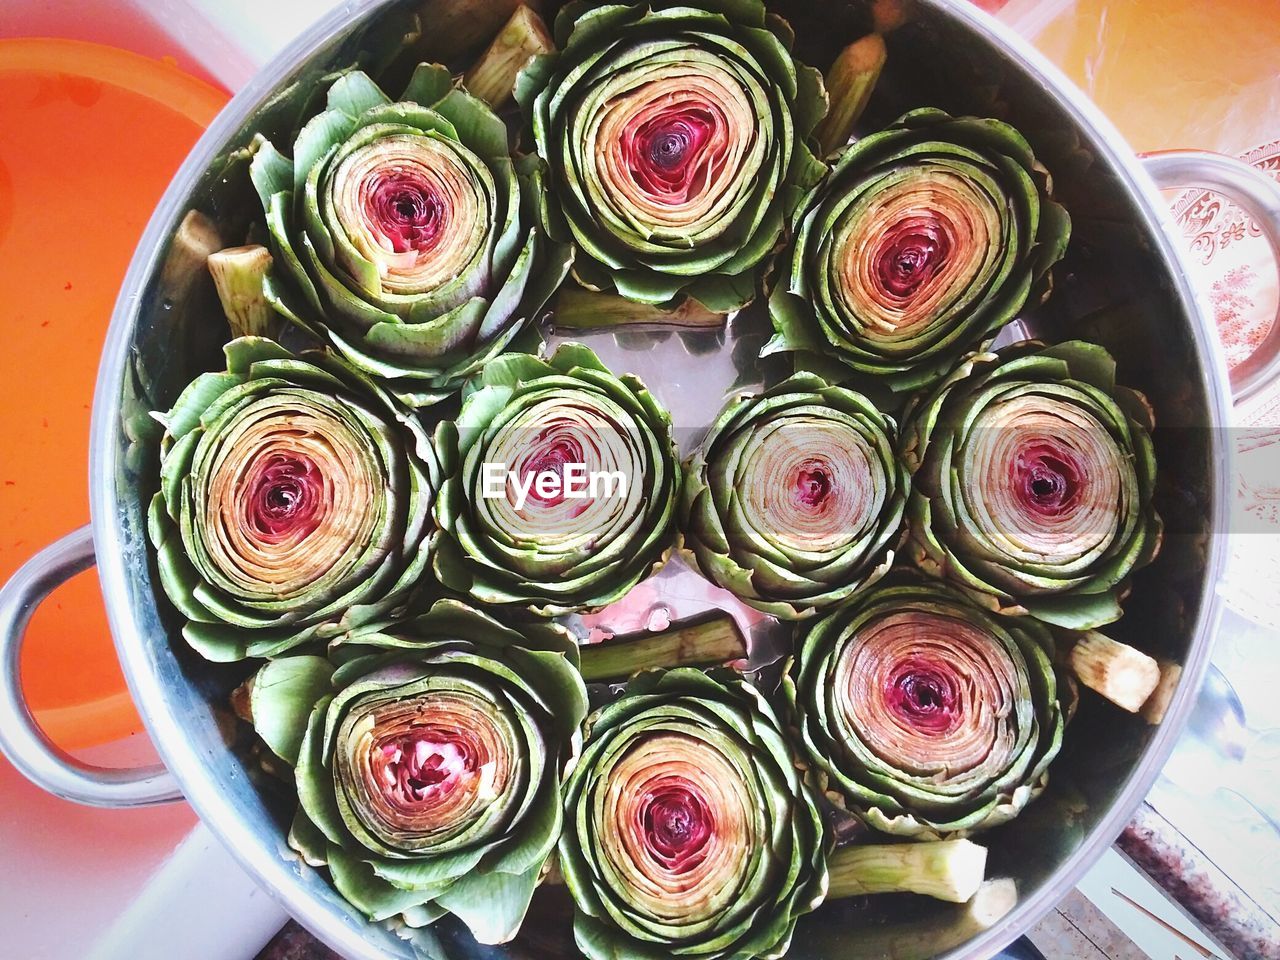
(604, 519)
(294, 504)
(922, 714)
(926, 239)
(688, 830)
(796, 498)
(429, 762)
(404, 234)
(674, 141)
(1033, 476)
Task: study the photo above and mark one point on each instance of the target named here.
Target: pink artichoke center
(286, 493)
(666, 154)
(812, 484)
(923, 694)
(551, 455)
(419, 770)
(913, 250)
(677, 824)
(1046, 477)
(406, 209)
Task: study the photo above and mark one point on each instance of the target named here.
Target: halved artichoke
(674, 138)
(926, 238)
(688, 830)
(795, 499)
(611, 518)
(924, 715)
(429, 757)
(294, 504)
(404, 234)
(1033, 475)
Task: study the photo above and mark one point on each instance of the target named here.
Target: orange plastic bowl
(75, 117)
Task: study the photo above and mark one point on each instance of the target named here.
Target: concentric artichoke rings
(295, 502)
(688, 830)
(925, 716)
(1033, 483)
(673, 139)
(795, 499)
(927, 238)
(605, 522)
(404, 233)
(428, 758)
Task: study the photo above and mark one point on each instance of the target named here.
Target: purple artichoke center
(285, 496)
(666, 153)
(418, 769)
(1047, 477)
(812, 485)
(406, 209)
(924, 695)
(677, 824)
(551, 455)
(914, 250)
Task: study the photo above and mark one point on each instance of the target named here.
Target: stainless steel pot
(1121, 284)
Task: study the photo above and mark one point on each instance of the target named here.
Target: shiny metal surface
(21, 739)
(1121, 285)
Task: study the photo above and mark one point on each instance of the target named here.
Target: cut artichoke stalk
(1157, 704)
(294, 503)
(458, 29)
(795, 500)
(710, 641)
(196, 237)
(238, 273)
(688, 829)
(850, 83)
(1033, 478)
(674, 145)
(605, 517)
(1124, 675)
(492, 78)
(926, 239)
(923, 715)
(579, 309)
(428, 758)
(404, 234)
(950, 870)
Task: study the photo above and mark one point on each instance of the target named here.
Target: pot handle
(1259, 196)
(21, 739)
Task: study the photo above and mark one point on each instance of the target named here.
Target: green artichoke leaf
(281, 698)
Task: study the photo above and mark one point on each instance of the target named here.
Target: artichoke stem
(579, 309)
(456, 29)
(196, 237)
(493, 76)
(1153, 710)
(850, 82)
(706, 642)
(1125, 676)
(950, 870)
(237, 274)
